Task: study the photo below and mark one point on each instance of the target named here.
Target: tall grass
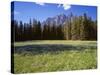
(51, 58)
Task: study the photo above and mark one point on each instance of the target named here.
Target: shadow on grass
(45, 48)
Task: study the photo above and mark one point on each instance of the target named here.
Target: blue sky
(41, 11)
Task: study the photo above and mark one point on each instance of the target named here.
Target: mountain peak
(57, 20)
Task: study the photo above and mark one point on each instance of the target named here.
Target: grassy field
(47, 55)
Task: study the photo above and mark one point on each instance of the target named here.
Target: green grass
(46, 56)
(38, 42)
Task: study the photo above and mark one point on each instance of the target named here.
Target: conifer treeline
(75, 28)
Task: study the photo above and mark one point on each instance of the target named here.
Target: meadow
(54, 55)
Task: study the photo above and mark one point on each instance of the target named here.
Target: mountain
(56, 20)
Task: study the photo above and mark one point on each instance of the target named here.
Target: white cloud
(16, 12)
(59, 5)
(65, 6)
(40, 3)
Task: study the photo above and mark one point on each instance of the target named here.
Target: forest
(74, 28)
(46, 47)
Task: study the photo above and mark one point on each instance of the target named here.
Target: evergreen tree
(74, 28)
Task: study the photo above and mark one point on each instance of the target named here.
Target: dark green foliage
(80, 28)
(74, 28)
